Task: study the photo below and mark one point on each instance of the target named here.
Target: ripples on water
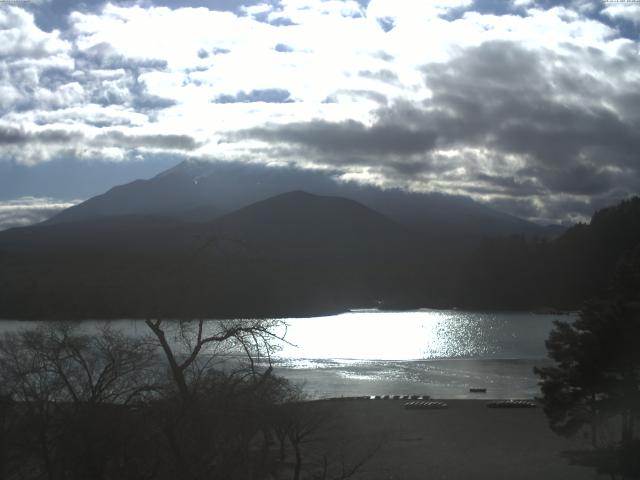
(440, 353)
(417, 335)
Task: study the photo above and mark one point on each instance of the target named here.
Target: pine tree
(596, 376)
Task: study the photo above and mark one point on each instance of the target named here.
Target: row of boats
(424, 402)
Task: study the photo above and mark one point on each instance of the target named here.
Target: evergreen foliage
(596, 377)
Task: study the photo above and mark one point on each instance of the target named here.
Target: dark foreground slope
(465, 441)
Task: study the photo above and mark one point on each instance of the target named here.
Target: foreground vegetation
(594, 387)
(173, 404)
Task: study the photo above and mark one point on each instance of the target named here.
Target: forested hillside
(297, 254)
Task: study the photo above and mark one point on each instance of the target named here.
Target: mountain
(292, 254)
(202, 191)
(125, 233)
(293, 225)
(296, 254)
(305, 226)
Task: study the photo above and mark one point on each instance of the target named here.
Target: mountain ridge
(234, 266)
(194, 189)
(304, 225)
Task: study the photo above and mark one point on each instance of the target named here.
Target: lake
(441, 353)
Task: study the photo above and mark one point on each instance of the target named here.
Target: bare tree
(197, 344)
(222, 375)
(72, 392)
(94, 406)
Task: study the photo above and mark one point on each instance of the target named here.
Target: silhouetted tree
(198, 344)
(597, 373)
(97, 405)
(73, 394)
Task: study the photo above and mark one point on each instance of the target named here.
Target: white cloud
(625, 11)
(407, 11)
(29, 210)
(21, 38)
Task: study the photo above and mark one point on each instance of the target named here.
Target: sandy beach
(465, 441)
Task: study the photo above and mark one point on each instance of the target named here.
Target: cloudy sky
(530, 106)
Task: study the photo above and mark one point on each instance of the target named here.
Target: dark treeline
(515, 272)
(169, 405)
(109, 272)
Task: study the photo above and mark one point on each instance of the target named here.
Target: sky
(529, 106)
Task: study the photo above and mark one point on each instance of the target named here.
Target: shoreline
(546, 311)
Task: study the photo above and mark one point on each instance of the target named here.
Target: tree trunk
(298, 467)
(282, 454)
(44, 448)
(594, 422)
(176, 372)
(627, 428)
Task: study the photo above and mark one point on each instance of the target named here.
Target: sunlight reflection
(423, 334)
(362, 335)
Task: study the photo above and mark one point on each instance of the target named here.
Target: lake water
(442, 353)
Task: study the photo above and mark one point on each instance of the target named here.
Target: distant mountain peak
(300, 224)
(190, 167)
(197, 190)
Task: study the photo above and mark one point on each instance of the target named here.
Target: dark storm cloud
(503, 96)
(518, 206)
(386, 76)
(386, 23)
(144, 103)
(104, 56)
(283, 48)
(172, 142)
(508, 184)
(54, 14)
(53, 78)
(282, 22)
(566, 208)
(366, 94)
(128, 90)
(573, 131)
(348, 137)
(10, 136)
(268, 95)
(581, 180)
(508, 96)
